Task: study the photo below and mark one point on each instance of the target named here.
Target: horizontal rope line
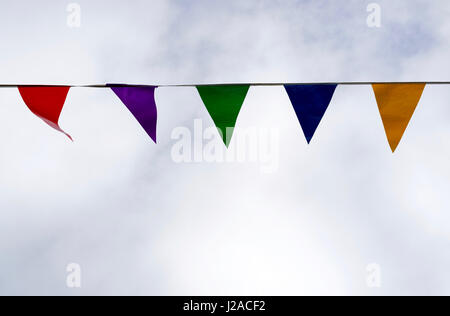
(268, 84)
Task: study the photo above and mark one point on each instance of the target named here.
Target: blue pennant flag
(310, 103)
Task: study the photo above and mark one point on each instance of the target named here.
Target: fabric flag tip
(310, 103)
(397, 103)
(224, 104)
(46, 102)
(140, 101)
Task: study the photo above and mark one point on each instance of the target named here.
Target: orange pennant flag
(397, 103)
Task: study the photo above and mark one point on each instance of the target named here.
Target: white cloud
(138, 223)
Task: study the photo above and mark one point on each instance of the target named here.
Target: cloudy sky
(139, 223)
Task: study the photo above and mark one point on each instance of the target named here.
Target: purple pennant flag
(140, 100)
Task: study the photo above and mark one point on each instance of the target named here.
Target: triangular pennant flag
(46, 102)
(310, 103)
(397, 104)
(140, 101)
(224, 104)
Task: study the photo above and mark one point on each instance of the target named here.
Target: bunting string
(397, 102)
(256, 84)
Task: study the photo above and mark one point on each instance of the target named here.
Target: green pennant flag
(224, 104)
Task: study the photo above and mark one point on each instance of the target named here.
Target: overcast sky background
(138, 223)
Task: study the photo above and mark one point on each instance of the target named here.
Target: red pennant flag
(46, 103)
